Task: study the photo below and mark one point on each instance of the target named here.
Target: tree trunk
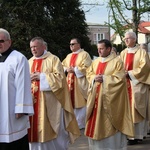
(135, 17)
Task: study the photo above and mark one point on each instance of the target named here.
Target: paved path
(82, 144)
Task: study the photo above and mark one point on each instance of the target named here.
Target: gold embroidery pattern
(34, 89)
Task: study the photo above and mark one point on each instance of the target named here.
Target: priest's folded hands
(99, 78)
(35, 76)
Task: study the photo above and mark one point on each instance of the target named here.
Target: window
(97, 37)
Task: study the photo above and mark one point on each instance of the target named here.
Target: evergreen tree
(56, 21)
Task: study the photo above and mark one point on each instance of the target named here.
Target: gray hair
(132, 34)
(5, 32)
(41, 40)
(45, 43)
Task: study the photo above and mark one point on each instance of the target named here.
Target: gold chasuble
(108, 108)
(77, 86)
(49, 104)
(92, 119)
(137, 63)
(71, 78)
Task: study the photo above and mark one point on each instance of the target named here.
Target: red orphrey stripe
(92, 120)
(33, 131)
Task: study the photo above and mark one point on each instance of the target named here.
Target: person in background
(114, 50)
(137, 66)
(15, 96)
(148, 47)
(53, 125)
(144, 46)
(75, 65)
(108, 116)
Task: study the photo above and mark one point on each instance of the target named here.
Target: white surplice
(114, 142)
(15, 97)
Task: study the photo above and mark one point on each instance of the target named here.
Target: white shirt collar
(131, 49)
(41, 55)
(104, 58)
(76, 52)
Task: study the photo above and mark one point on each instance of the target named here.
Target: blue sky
(96, 14)
(99, 13)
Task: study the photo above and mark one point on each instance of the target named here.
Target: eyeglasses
(71, 44)
(128, 38)
(2, 41)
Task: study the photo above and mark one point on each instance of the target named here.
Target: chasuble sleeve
(83, 62)
(115, 97)
(141, 67)
(54, 73)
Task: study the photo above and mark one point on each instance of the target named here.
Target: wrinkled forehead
(36, 42)
(2, 36)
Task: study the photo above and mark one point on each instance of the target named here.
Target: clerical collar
(5, 54)
(131, 49)
(76, 52)
(104, 58)
(41, 55)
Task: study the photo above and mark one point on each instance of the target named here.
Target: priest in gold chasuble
(75, 65)
(108, 115)
(53, 125)
(137, 66)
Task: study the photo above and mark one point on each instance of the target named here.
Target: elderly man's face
(37, 48)
(4, 43)
(129, 40)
